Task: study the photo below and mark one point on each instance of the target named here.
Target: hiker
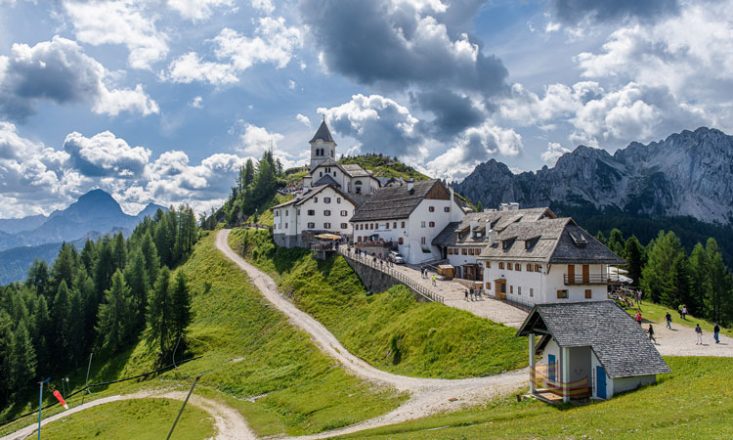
(698, 332)
(668, 318)
(684, 312)
(638, 297)
(716, 333)
(679, 310)
(435, 278)
(466, 294)
(638, 318)
(651, 334)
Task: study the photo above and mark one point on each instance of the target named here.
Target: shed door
(551, 366)
(600, 382)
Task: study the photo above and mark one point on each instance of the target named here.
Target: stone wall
(376, 281)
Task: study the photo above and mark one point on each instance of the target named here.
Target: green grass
(392, 330)
(656, 312)
(384, 166)
(695, 401)
(148, 419)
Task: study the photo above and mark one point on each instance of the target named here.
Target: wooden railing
(385, 267)
(590, 279)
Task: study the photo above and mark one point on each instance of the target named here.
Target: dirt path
(427, 396)
(229, 423)
(681, 341)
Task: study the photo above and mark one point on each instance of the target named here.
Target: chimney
(491, 237)
(410, 185)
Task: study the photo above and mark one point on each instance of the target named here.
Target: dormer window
(507, 244)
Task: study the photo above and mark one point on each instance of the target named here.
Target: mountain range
(683, 183)
(94, 214)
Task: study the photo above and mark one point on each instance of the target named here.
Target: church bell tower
(323, 146)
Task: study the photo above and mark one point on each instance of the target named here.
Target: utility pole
(175, 422)
(86, 382)
(40, 404)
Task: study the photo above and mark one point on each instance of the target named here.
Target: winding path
(228, 422)
(427, 396)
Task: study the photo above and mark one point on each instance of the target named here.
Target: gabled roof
(619, 343)
(312, 192)
(323, 133)
(393, 202)
(557, 240)
(327, 180)
(351, 170)
(458, 233)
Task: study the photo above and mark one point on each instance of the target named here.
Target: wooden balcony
(591, 279)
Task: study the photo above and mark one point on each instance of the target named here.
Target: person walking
(684, 312)
(716, 333)
(435, 280)
(651, 334)
(466, 294)
(698, 332)
(638, 318)
(668, 318)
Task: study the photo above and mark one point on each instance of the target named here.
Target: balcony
(591, 279)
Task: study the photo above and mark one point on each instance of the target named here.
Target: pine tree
(88, 256)
(119, 252)
(105, 267)
(61, 316)
(718, 282)
(39, 278)
(137, 279)
(657, 277)
(116, 321)
(180, 309)
(601, 237)
(634, 253)
(616, 242)
(249, 173)
(22, 362)
(699, 280)
(65, 265)
(158, 317)
(152, 260)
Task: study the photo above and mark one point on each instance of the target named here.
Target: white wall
(622, 384)
(293, 220)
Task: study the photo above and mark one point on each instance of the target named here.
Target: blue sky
(164, 100)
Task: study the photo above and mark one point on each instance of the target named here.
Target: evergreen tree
(116, 321)
(137, 279)
(634, 252)
(159, 305)
(699, 280)
(61, 317)
(39, 278)
(602, 238)
(718, 295)
(119, 252)
(43, 334)
(616, 242)
(150, 253)
(180, 309)
(88, 256)
(657, 278)
(65, 265)
(22, 360)
(105, 267)
(249, 173)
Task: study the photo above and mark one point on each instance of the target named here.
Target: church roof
(323, 133)
(393, 202)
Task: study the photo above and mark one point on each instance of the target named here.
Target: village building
(587, 350)
(407, 218)
(461, 243)
(547, 261)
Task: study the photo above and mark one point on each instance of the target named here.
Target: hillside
(384, 166)
(391, 330)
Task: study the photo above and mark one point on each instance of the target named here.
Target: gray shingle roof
(617, 340)
(308, 194)
(458, 233)
(323, 133)
(327, 180)
(557, 240)
(393, 202)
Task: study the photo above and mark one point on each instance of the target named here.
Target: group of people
(473, 294)
(668, 320)
(425, 274)
(682, 309)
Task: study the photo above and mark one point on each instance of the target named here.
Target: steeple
(323, 147)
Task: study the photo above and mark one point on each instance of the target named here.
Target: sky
(163, 101)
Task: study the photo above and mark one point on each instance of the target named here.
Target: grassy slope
(248, 350)
(656, 312)
(384, 166)
(391, 331)
(695, 401)
(143, 420)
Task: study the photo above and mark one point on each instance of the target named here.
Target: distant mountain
(683, 183)
(94, 214)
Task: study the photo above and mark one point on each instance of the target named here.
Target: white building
(547, 261)
(462, 242)
(407, 218)
(587, 350)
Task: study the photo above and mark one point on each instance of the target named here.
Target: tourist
(698, 332)
(716, 333)
(668, 318)
(638, 318)
(466, 294)
(679, 310)
(651, 334)
(684, 312)
(435, 280)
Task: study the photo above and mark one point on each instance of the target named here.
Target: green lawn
(148, 419)
(695, 401)
(392, 331)
(656, 312)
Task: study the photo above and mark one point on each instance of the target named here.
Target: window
(562, 294)
(386, 226)
(326, 200)
(511, 289)
(311, 212)
(327, 212)
(400, 240)
(297, 212)
(320, 174)
(518, 267)
(423, 240)
(422, 224)
(344, 213)
(487, 264)
(335, 174)
(287, 211)
(344, 226)
(402, 225)
(509, 266)
(470, 251)
(501, 265)
(529, 267)
(431, 208)
(431, 224)
(394, 225)
(286, 226)
(277, 213)
(538, 268)
(357, 186)
(327, 226)
(446, 209)
(531, 292)
(464, 251)
(311, 225)
(519, 290)
(315, 199)
(338, 199)
(588, 294)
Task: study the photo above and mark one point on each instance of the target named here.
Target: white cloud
(264, 6)
(197, 9)
(292, 84)
(189, 68)
(303, 119)
(553, 153)
(60, 71)
(256, 140)
(120, 22)
(104, 154)
(197, 102)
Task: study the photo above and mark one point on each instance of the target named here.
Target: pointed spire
(323, 133)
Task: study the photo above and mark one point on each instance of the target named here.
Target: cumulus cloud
(264, 6)
(378, 124)
(554, 152)
(197, 9)
(303, 119)
(60, 71)
(120, 22)
(256, 140)
(274, 42)
(575, 11)
(105, 155)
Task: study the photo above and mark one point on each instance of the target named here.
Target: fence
(384, 267)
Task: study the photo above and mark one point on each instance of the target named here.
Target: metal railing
(386, 268)
(590, 279)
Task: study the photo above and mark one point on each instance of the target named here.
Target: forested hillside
(102, 299)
